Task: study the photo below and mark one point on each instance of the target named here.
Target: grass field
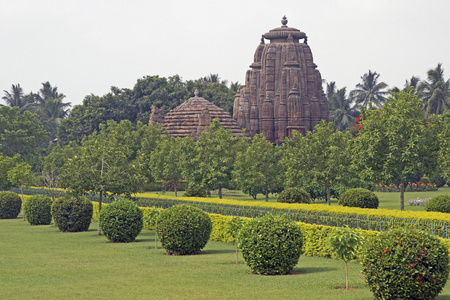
(39, 262)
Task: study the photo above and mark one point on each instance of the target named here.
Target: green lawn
(39, 262)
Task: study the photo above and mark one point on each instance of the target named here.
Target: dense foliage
(405, 264)
(183, 229)
(359, 197)
(270, 245)
(10, 205)
(440, 203)
(294, 195)
(72, 214)
(121, 221)
(37, 209)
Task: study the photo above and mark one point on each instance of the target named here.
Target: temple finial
(284, 21)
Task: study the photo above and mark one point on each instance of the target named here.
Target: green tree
(21, 176)
(342, 111)
(396, 141)
(6, 164)
(19, 134)
(345, 243)
(214, 158)
(102, 166)
(435, 92)
(165, 161)
(444, 149)
(257, 168)
(369, 90)
(15, 98)
(322, 156)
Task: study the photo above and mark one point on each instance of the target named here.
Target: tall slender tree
(369, 90)
(15, 98)
(435, 92)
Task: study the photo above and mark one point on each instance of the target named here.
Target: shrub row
(411, 187)
(366, 219)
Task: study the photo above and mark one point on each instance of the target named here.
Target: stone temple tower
(283, 89)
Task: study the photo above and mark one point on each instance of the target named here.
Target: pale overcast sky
(87, 46)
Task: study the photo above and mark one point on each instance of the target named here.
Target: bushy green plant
(194, 190)
(405, 264)
(10, 204)
(359, 197)
(294, 195)
(271, 245)
(72, 214)
(345, 242)
(439, 203)
(37, 209)
(121, 221)
(183, 229)
(233, 226)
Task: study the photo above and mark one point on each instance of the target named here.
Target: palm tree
(411, 83)
(234, 86)
(369, 90)
(48, 91)
(342, 112)
(54, 108)
(15, 98)
(435, 92)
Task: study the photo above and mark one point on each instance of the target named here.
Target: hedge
(319, 214)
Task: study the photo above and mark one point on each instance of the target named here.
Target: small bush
(183, 229)
(37, 209)
(270, 245)
(418, 201)
(10, 204)
(72, 214)
(121, 221)
(294, 195)
(405, 264)
(439, 203)
(193, 190)
(359, 197)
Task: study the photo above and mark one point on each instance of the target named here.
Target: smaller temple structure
(193, 117)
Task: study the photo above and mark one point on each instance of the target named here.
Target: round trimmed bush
(405, 264)
(194, 190)
(10, 205)
(359, 197)
(72, 214)
(294, 195)
(121, 221)
(37, 210)
(270, 245)
(439, 203)
(183, 229)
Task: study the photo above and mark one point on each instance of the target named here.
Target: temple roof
(193, 116)
(283, 32)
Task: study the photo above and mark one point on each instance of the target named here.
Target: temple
(193, 117)
(283, 88)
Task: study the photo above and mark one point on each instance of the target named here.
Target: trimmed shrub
(10, 204)
(72, 214)
(38, 210)
(359, 197)
(271, 245)
(294, 195)
(193, 190)
(121, 221)
(183, 229)
(405, 264)
(439, 203)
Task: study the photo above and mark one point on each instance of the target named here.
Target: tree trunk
(402, 194)
(346, 275)
(23, 210)
(237, 261)
(175, 187)
(99, 231)
(156, 239)
(328, 194)
(220, 191)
